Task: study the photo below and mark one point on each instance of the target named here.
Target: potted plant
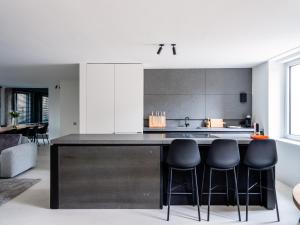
(14, 118)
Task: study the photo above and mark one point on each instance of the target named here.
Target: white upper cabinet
(129, 95)
(100, 98)
(111, 98)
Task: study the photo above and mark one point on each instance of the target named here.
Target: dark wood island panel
(129, 171)
(107, 177)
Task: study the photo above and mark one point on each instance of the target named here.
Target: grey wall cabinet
(198, 93)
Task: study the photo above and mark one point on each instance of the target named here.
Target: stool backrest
(183, 153)
(223, 154)
(261, 154)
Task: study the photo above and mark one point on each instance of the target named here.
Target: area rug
(10, 188)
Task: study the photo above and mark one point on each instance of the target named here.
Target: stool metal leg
(193, 188)
(260, 188)
(237, 194)
(237, 178)
(274, 189)
(247, 194)
(170, 192)
(209, 194)
(227, 192)
(197, 194)
(202, 184)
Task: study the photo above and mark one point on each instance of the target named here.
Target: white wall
(288, 167)
(64, 108)
(54, 113)
(61, 101)
(260, 96)
(276, 95)
(82, 97)
(69, 106)
(268, 89)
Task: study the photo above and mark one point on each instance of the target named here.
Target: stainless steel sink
(189, 135)
(188, 128)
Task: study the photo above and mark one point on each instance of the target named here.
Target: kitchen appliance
(248, 121)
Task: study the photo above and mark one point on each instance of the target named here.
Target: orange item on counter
(259, 137)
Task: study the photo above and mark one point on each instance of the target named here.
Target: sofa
(17, 154)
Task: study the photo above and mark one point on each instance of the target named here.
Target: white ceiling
(208, 33)
(39, 76)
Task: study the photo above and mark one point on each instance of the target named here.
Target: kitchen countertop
(194, 129)
(140, 139)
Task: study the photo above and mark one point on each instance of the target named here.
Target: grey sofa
(17, 154)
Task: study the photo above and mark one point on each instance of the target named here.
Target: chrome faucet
(186, 123)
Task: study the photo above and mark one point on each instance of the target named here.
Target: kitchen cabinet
(100, 98)
(129, 95)
(111, 98)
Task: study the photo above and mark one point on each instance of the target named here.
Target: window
(45, 111)
(23, 106)
(294, 100)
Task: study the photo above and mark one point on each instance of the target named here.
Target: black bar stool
(223, 155)
(261, 155)
(183, 155)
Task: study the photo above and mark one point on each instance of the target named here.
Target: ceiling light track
(160, 48)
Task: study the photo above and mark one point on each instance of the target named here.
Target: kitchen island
(129, 171)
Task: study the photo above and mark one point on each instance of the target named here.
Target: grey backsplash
(198, 94)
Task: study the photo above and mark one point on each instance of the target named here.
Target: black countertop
(198, 129)
(143, 139)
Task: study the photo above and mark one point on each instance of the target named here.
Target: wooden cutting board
(216, 123)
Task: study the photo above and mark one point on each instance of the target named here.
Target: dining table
(19, 127)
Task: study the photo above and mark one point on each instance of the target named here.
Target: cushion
(9, 140)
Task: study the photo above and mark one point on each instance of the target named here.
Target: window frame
(15, 102)
(288, 134)
(41, 108)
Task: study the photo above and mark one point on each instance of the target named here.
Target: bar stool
(223, 155)
(261, 155)
(183, 155)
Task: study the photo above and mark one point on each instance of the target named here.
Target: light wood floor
(32, 208)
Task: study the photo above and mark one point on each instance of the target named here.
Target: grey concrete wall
(198, 93)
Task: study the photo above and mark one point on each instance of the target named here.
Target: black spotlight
(160, 48)
(174, 49)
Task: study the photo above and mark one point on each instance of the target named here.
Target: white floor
(32, 208)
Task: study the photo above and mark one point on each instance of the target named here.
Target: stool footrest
(214, 193)
(180, 193)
